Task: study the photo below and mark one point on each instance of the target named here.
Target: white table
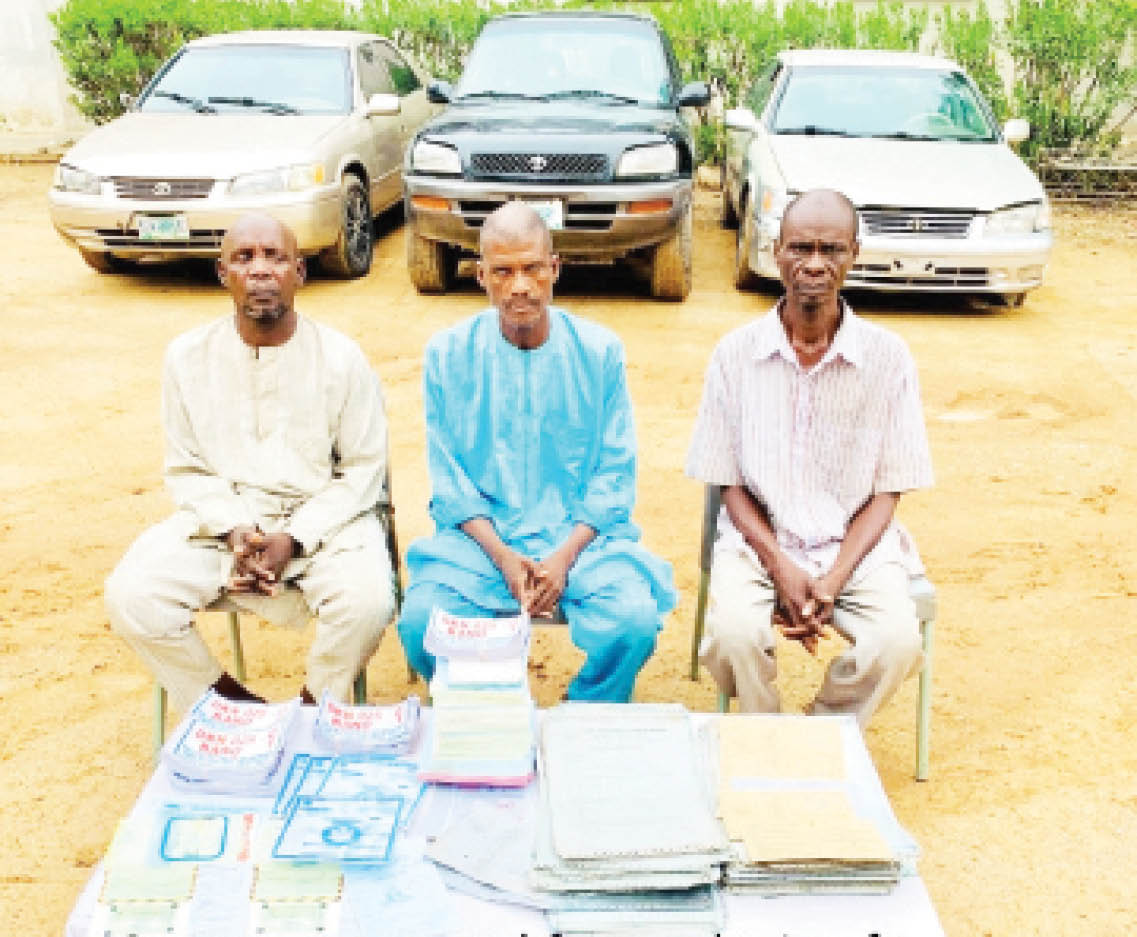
(906, 912)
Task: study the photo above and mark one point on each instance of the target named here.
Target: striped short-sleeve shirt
(813, 444)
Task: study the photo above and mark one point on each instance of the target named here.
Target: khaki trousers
(167, 576)
(875, 614)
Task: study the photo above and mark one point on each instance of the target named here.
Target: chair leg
(360, 686)
(924, 713)
(724, 703)
(238, 651)
(700, 619)
(159, 727)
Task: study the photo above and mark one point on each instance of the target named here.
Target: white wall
(33, 88)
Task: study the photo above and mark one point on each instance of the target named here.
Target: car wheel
(350, 256)
(431, 264)
(728, 218)
(1013, 300)
(744, 277)
(671, 263)
(103, 261)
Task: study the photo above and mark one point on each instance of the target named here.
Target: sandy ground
(1029, 821)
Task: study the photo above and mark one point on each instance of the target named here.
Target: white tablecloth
(219, 897)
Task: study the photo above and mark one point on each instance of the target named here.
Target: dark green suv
(579, 114)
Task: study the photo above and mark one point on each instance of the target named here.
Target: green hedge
(1066, 53)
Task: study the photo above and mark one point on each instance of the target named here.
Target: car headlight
(435, 157)
(1022, 219)
(772, 201)
(660, 159)
(70, 179)
(283, 179)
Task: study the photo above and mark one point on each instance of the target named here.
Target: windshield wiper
(501, 96)
(592, 93)
(812, 130)
(906, 135)
(273, 107)
(196, 103)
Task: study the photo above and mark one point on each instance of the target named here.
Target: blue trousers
(616, 628)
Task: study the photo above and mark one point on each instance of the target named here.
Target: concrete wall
(33, 88)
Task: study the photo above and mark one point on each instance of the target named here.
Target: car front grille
(539, 165)
(199, 239)
(160, 189)
(931, 277)
(896, 222)
(579, 216)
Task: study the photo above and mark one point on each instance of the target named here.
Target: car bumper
(601, 222)
(108, 223)
(926, 264)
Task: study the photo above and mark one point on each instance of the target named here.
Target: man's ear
(555, 261)
(480, 272)
(222, 272)
(301, 270)
(856, 250)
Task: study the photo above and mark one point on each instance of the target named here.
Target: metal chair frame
(921, 590)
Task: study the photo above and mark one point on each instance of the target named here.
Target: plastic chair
(224, 604)
(921, 590)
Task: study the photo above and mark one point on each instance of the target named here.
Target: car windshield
(275, 79)
(607, 60)
(888, 102)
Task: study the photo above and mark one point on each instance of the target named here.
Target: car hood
(915, 173)
(551, 117)
(217, 146)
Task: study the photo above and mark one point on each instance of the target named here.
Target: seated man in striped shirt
(811, 422)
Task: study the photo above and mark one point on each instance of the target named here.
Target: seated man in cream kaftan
(532, 462)
(276, 452)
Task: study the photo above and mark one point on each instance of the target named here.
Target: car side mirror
(1016, 130)
(383, 105)
(128, 101)
(741, 118)
(694, 94)
(439, 92)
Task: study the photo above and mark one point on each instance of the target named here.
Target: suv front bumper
(598, 225)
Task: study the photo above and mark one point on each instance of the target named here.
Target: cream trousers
(875, 615)
(167, 576)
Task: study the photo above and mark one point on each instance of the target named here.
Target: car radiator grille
(161, 189)
(932, 277)
(199, 239)
(579, 216)
(540, 165)
(907, 223)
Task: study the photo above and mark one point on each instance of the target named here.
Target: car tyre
(1013, 300)
(350, 256)
(671, 263)
(431, 264)
(102, 261)
(744, 278)
(728, 219)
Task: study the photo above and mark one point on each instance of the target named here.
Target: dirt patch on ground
(1029, 821)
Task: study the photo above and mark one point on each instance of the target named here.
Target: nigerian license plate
(552, 212)
(163, 228)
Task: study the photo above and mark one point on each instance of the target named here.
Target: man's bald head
(822, 203)
(256, 223)
(514, 223)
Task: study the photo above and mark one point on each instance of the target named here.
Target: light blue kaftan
(537, 441)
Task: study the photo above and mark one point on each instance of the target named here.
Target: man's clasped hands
(258, 559)
(536, 584)
(805, 605)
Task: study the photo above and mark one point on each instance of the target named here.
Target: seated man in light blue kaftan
(532, 461)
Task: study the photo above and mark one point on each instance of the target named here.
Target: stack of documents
(230, 747)
(626, 808)
(797, 798)
(482, 732)
(380, 730)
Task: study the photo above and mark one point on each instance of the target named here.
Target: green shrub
(972, 40)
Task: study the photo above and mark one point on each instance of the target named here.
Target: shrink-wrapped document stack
(803, 808)
(626, 811)
(377, 730)
(230, 747)
(482, 731)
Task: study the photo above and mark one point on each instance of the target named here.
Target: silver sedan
(945, 205)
